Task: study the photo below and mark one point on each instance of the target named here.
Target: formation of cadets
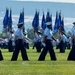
(18, 42)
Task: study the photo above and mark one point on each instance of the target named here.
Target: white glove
(43, 44)
(57, 41)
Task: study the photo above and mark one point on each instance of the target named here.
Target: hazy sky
(67, 1)
(67, 8)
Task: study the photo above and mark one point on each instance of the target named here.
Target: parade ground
(34, 67)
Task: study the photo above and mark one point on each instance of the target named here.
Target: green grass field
(34, 67)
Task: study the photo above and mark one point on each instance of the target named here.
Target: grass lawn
(34, 67)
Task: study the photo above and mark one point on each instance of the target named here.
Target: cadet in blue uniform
(62, 39)
(10, 46)
(48, 37)
(19, 44)
(72, 52)
(38, 44)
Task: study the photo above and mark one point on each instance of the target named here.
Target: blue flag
(48, 17)
(60, 18)
(51, 18)
(43, 25)
(57, 23)
(10, 21)
(35, 22)
(21, 18)
(5, 20)
(62, 24)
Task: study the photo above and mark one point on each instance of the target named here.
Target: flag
(51, 18)
(48, 17)
(43, 25)
(5, 20)
(10, 21)
(21, 19)
(60, 18)
(62, 24)
(57, 23)
(35, 22)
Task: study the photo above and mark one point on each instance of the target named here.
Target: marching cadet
(72, 52)
(62, 39)
(11, 37)
(19, 37)
(38, 44)
(48, 37)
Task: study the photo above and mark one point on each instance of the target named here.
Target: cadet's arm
(15, 38)
(54, 38)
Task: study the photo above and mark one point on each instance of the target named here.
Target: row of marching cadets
(46, 42)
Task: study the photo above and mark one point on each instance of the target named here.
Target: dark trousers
(68, 45)
(62, 47)
(49, 47)
(1, 56)
(27, 45)
(10, 47)
(19, 46)
(57, 46)
(72, 53)
(38, 46)
(34, 45)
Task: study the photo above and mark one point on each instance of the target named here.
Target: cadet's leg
(38, 47)
(51, 51)
(15, 53)
(1, 56)
(72, 54)
(9, 46)
(33, 46)
(43, 54)
(69, 46)
(27, 45)
(23, 53)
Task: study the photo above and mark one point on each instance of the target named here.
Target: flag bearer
(48, 37)
(72, 52)
(19, 37)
